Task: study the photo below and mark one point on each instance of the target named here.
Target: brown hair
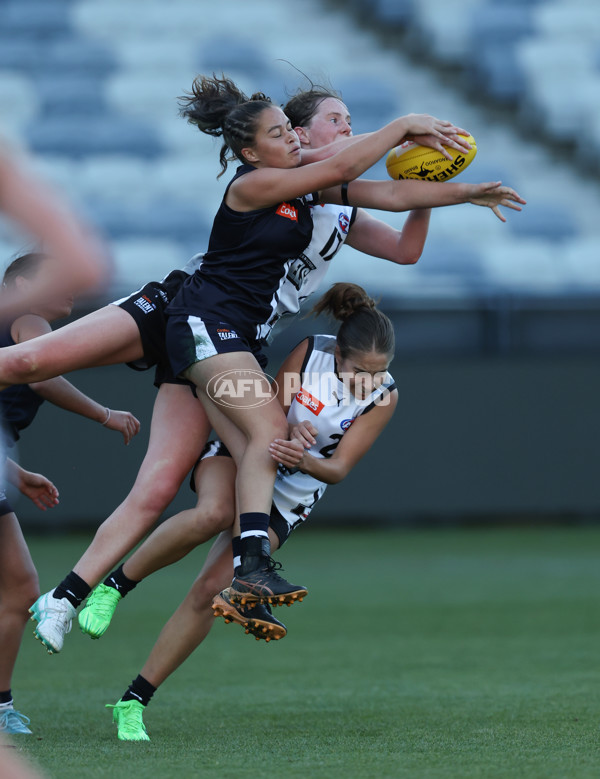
(364, 327)
(26, 265)
(301, 107)
(218, 108)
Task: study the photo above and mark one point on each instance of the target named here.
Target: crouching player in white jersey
(338, 396)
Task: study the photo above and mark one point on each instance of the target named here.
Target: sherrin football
(411, 161)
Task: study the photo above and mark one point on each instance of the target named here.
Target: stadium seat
(35, 19)
(548, 220)
(80, 136)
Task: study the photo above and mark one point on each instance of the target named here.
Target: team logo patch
(311, 403)
(285, 209)
(145, 304)
(345, 423)
(344, 223)
(225, 334)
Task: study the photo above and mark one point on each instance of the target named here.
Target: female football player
(27, 275)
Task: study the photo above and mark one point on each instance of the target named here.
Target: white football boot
(54, 617)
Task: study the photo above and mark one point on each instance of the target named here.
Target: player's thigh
(104, 337)
(246, 400)
(179, 428)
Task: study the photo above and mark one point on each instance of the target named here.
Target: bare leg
(191, 623)
(179, 430)
(104, 337)
(18, 589)
(214, 512)
(261, 424)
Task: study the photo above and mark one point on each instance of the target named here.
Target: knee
(21, 594)
(212, 517)
(19, 366)
(204, 590)
(154, 490)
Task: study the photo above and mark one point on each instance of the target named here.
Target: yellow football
(411, 161)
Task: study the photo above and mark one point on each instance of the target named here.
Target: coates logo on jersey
(344, 223)
(311, 403)
(345, 424)
(285, 209)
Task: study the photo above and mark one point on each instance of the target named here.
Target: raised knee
(21, 594)
(19, 366)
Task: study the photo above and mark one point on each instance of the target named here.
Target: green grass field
(443, 653)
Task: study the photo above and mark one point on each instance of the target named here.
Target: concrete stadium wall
(474, 437)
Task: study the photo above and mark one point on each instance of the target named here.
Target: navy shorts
(147, 306)
(191, 339)
(277, 522)
(5, 507)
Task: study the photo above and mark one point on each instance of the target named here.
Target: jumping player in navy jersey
(326, 440)
(215, 322)
(133, 331)
(19, 404)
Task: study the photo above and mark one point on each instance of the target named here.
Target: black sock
(140, 690)
(236, 548)
(121, 583)
(6, 696)
(73, 588)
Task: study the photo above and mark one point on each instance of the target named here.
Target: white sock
(4, 706)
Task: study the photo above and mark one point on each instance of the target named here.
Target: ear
(250, 155)
(303, 135)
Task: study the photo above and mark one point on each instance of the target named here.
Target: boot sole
(254, 598)
(259, 629)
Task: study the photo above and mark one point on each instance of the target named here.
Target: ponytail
(364, 327)
(219, 108)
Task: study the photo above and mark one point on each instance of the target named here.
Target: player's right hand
(304, 432)
(125, 423)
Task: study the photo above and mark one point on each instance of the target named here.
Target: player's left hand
(124, 423)
(38, 489)
(287, 453)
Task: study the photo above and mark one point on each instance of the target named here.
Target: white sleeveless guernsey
(324, 401)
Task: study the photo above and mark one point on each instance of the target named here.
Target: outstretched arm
(404, 247)
(407, 195)
(37, 207)
(34, 486)
(268, 186)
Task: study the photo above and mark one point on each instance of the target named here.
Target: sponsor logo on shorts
(145, 304)
(225, 334)
(311, 403)
(344, 222)
(238, 388)
(345, 423)
(285, 209)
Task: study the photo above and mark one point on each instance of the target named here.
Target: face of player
(330, 122)
(362, 372)
(276, 145)
(54, 300)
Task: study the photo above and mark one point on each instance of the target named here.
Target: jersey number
(332, 245)
(328, 450)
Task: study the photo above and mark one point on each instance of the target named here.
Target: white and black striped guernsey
(324, 401)
(303, 274)
(245, 263)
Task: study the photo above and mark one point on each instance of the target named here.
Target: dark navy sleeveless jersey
(18, 404)
(244, 267)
